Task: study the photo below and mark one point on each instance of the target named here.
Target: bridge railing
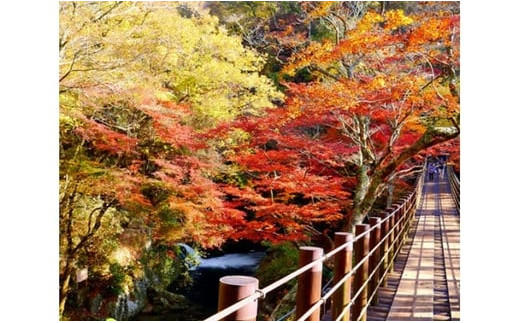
(361, 265)
(454, 186)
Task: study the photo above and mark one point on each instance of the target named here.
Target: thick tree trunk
(390, 197)
(65, 287)
(371, 194)
(368, 186)
(363, 182)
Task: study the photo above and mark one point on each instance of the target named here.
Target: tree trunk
(360, 192)
(390, 197)
(72, 251)
(65, 287)
(371, 194)
(367, 189)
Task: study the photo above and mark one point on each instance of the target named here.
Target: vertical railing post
(384, 246)
(402, 218)
(416, 202)
(234, 288)
(413, 204)
(407, 204)
(342, 266)
(399, 224)
(406, 217)
(375, 258)
(410, 213)
(361, 249)
(309, 283)
(391, 245)
(418, 194)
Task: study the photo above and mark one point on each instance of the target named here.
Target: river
(204, 291)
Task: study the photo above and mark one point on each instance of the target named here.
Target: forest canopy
(211, 122)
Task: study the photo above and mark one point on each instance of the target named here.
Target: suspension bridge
(403, 265)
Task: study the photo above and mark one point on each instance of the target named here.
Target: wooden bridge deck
(425, 283)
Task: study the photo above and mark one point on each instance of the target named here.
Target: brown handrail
(403, 224)
(354, 269)
(454, 186)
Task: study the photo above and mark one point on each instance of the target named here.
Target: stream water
(206, 273)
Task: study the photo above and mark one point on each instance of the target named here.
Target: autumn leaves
(168, 118)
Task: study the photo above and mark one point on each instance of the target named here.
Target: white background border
(489, 172)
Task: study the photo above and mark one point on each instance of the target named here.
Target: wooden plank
(451, 246)
(414, 297)
(379, 312)
(410, 295)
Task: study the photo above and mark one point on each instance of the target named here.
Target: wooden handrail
(393, 239)
(454, 186)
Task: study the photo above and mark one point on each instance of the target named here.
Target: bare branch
(70, 66)
(455, 124)
(89, 228)
(108, 11)
(95, 228)
(406, 172)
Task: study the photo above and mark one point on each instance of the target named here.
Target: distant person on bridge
(442, 169)
(431, 170)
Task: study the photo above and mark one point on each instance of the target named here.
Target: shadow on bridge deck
(428, 287)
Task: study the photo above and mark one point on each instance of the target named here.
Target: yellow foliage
(368, 21)
(322, 9)
(314, 53)
(414, 124)
(378, 82)
(396, 18)
(150, 45)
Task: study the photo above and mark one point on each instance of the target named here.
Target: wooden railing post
(375, 258)
(414, 204)
(404, 216)
(406, 223)
(234, 288)
(417, 197)
(399, 224)
(361, 249)
(342, 266)
(391, 245)
(409, 215)
(309, 283)
(384, 246)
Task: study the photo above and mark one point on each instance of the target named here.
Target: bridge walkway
(425, 284)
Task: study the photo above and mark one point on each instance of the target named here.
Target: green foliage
(164, 266)
(117, 278)
(231, 174)
(281, 260)
(241, 16)
(302, 75)
(171, 217)
(321, 31)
